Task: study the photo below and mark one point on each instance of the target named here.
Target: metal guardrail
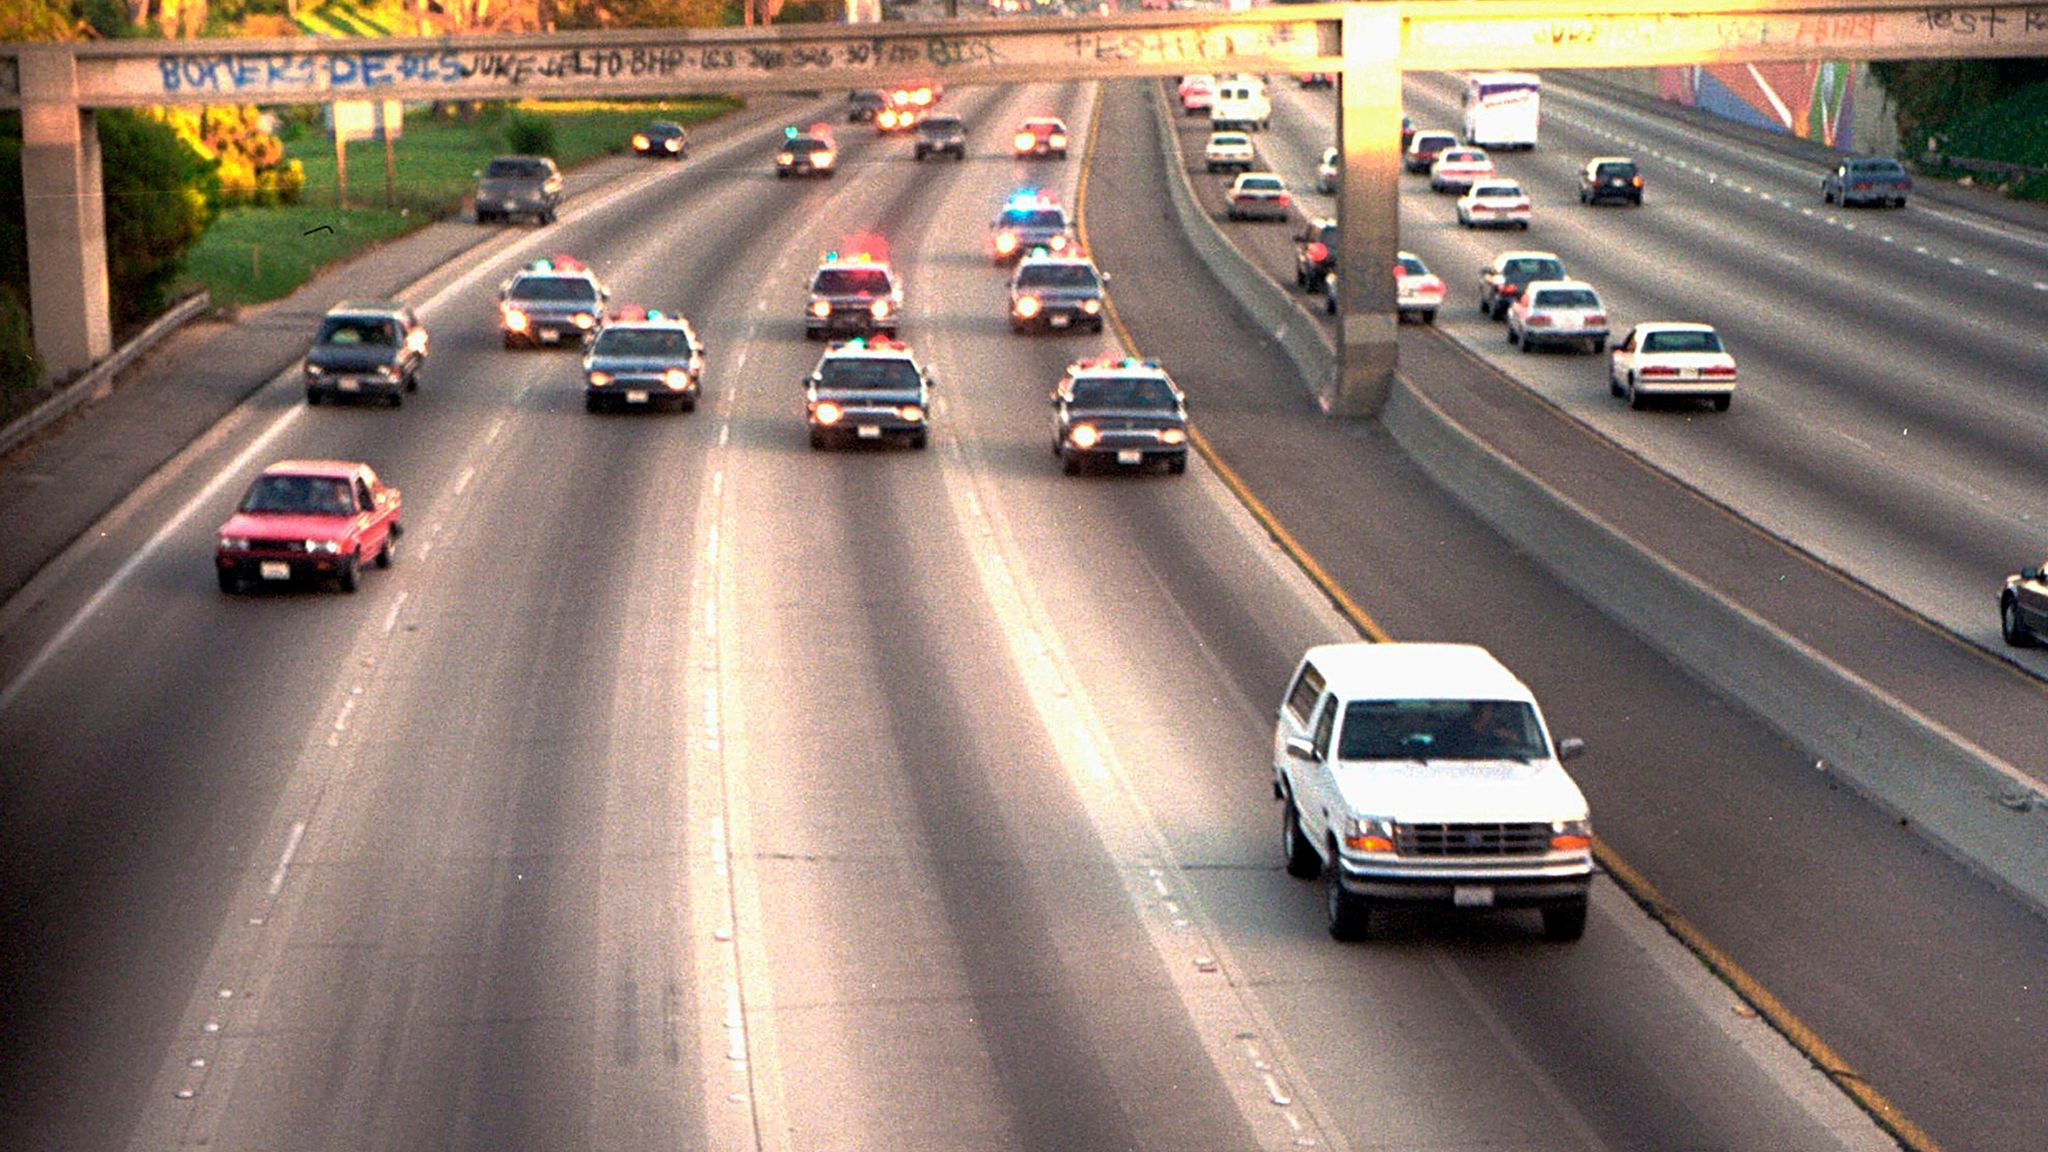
(98, 381)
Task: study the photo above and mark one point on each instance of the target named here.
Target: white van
(1503, 110)
(1423, 773)
(1240, 104)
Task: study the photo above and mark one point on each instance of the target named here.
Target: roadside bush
(530, 135)
(160, 196)
(249, 160)
(20, 371)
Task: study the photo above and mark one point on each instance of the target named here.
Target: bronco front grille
(1472, 839)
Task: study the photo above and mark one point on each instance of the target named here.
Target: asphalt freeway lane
(1886, 420)
(684, 786)
(1838, 910)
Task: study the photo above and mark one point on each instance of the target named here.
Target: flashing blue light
(789, 132)
(1025, 196)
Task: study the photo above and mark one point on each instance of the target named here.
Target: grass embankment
(254, 254)
(2012, 131)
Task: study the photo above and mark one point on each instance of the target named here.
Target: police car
(855, 294)
(806, 153)
(1122, 411)
(1030, 220)
(1049, 291)
(643, 358)
(868, 389)
(551, 301)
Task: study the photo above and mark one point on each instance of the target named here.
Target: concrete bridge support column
(66, 216)
(1368, 210)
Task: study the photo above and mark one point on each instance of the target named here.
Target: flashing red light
(1320, 252)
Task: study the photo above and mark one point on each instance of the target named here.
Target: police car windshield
(1681, 342)
(1413, 266)
(640, 342)
(852, 282)
(1526, 270)
(1056, 276)
(1034, 218)
(513, 168)
(1123, 392)
(1440, 730)
(893, 375)
(358, 330)
(566, 288)
(300, 495)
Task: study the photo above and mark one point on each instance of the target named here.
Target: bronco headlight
(1368, 834)
(600, 379)
(827, 412)
(314, 370)
(1571, 835)
(676, 378)
(911, 412)
(584, 320)
(1173, 435)
(1091, 306)
(1084, 436)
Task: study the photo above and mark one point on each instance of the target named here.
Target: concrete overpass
(58, 86)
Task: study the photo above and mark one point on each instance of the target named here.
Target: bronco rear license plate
(1472, 895)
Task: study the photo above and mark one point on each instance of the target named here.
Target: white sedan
(1329, 171)
(1564, 312)
(1494, 203)
(1418, 292)
(1457, 169)
(1228, 150)
(1672, 359)
(1259, 195)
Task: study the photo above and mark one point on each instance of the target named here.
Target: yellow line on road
(1638, 887)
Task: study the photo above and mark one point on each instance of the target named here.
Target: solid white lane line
(176, 523)
(284, 862)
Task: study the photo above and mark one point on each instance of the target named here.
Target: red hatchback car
(309, 520)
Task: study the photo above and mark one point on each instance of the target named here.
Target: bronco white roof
(1365, 671)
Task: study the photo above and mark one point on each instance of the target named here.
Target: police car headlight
(1056, 140)
(600, 379)
(827, 412)
(583, 320)
(911, 412)
(1173, 436)
(330, 547)
(1091, 306)
(785, 159)
(821, 308)
(881, 309)
(1006, 243)
(676, 378)
(515, 320)
(1084, 436)
(1058, 243)
(823, 159)
(641, 142)
(672, 144)
(1028, 306)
